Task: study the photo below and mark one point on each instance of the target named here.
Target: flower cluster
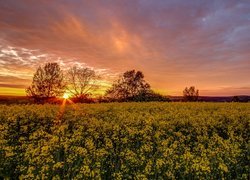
(125, 141)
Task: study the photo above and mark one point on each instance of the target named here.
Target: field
(125, 141)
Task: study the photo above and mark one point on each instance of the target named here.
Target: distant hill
(26, 100)
(242, 98)
(14, 100)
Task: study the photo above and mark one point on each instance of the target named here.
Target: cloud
(13, 86)
(228, 91)
(176, 43)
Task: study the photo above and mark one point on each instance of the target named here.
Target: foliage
(129, 86)
(47, 83)
(236, 99)
(83, 99)
(190, 94)
(81, 82)
(149, 96)
(125, 141)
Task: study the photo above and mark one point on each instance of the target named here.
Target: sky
(175, 43)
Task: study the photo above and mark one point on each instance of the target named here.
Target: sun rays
(66, 100)
(66, 96)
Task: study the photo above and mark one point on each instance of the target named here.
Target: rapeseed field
(125, 141)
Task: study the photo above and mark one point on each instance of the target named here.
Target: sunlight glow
(66, 96)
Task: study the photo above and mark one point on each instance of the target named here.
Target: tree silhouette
(190, 94)
(47, 83)
(81, 82)
(235, 99)
(150, 95)
(128, 86)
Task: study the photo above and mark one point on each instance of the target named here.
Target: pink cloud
(175, 43)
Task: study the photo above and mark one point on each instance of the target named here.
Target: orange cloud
(175, 43)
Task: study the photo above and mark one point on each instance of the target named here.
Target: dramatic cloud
(176, 43)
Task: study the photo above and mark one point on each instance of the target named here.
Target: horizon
(176, 44)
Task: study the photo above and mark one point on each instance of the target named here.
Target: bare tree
(127, 87)
(47, 83)
(81, 82)
(190, 94)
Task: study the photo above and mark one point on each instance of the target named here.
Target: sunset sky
(175, 43)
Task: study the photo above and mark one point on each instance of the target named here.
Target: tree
(235, 99)
(190, 94)
(81, 82)
(149, 96)
(47, 83)
(128, 86)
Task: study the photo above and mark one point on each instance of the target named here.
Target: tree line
(51, 82)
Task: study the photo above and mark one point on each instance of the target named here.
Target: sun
(66, 96)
